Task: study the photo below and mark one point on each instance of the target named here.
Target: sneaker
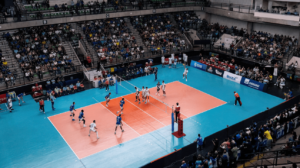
(106, 105)
(139, 102)
(97, 137)
(121, 112)
(89, 134)
(19, 104)
(73, 119)
(135, 100)
(115, 132)
(117, 112)
(84, 126)
(143, 100)
(71, 115)
(185, 80)
(122, 130)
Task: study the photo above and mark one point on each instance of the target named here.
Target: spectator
(269, 138)
(199, 142)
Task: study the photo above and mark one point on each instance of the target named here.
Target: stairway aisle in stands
(12, 62)
(173, 23)
(87, 46)
(71, 53)
(136, 34)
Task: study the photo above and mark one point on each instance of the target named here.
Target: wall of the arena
(277, 29)
(201, 14)
(227, 21)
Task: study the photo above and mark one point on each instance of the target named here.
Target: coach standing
(237, 98)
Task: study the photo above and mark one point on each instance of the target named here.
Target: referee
(237, 98)
(177, 111)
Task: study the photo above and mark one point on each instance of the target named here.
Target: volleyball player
(147, 94)
(137, 95)
(185, 73)
(72, 109)
(143, 93)
(81, 118)
(10, 104)
(93, 128)
(158, 88)
(20, 96)
(163, 88)
(119, 123)
(122, 102)
(107, 98)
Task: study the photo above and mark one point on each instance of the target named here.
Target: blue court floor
(28, 139)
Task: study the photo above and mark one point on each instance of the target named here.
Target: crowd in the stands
(187, 20)
(59, 87)
(243, 144)
(260, 75)
(264, 46)
(111, 38)
(158, 34)
(215, 30)
(38, 50)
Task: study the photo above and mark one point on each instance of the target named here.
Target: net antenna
(162, 105)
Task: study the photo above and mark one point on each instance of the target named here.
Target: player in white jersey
(147, 94)
(185, 73)
(93, 128)
(143, 93)
(163, 88)
(137, 95)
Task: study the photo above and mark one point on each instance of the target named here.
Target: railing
(20, 81)
(232, 53)
(44, 13)
(233, 7)
(147, 55)
(271, 158)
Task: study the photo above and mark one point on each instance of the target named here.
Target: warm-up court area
(54, 140)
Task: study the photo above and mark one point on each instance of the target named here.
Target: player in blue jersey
(81, 118)
(72, 109)
(122, 102)
(20, 96)
(119, 123)
(107, 98)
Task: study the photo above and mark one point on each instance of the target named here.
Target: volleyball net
(159, 104)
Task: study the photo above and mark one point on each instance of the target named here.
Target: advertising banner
(198, 65)
(2, 98)
(232, 77)
(253, 84)
(215, 71)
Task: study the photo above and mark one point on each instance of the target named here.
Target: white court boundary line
(63, 138)
(201, 91)
(145, 112)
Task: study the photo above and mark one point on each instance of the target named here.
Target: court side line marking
(63, 138)
(145, 112)
(201, 91)
(116, 116)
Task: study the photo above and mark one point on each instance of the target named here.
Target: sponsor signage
(252, 83)
(232, 77)
(198, 65)
(2, 98)
(215, 71)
